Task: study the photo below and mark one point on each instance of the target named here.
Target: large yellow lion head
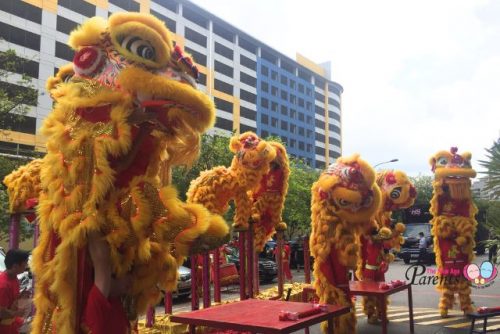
(398, 192)
(251, 152)
(348, 188)
(452, 172)
(131, 60)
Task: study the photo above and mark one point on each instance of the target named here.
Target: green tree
(423, 183)
(297, 212)
(17, 96)
(492, 165)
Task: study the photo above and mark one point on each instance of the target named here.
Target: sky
(418, 76)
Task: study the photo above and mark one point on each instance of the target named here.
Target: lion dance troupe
(113, 231)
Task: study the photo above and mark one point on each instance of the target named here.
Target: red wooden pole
(256, 274)
(150, 316)
(250, 259)
(195, 303)
(217, 294)
(243, 294)
(279, 259)
(14, 227)
(168, 302)
(307, 260)
(206, 280)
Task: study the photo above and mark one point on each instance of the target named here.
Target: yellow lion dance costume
(376, 240)
(398, 192)
(453, 225)
(269, 198)
(343, 200)
(215, 188)
(23, 184)
(128, 107)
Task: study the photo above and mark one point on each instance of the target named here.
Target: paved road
(425, 299)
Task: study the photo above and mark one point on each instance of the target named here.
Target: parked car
(183, 283)
(268, 270)
(409, 250)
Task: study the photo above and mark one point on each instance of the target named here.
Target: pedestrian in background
(492, 250)
(11, 320)
(422, 248)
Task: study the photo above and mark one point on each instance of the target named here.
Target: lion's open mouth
(458, 186)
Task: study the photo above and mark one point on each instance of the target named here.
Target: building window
(283, 80)
(64, 25)
(320, 137)
(223, 32)
(333, 154)
(333, 115)
(265, 87)
(320, 151)
(301, 131)
(319, 110)
(292, 142)
(82, 7)
(301, 102)
(309, 133)
(223, 51)
(21, 66)
(264, 102)
(274, 75)
(245, 128)
(301, 117)
(264, 70)
(284, 95)
(223, 87)
(202, 78)
(334, 141)
(309, 120)
(284, 110)
(287, 67)
(224, 124)
(284, 125)
(194, 17)
(19, 36)
(171, 5)
(333, 128)
(223, 68)
(198, 57)
(274, 91)
(274, 106)
(293, 113)
(22, 9)
(249, 63)
(293, 128)
(292, 84)
(309, 148)
(195, 37)
(264, 119)
(171, 25)
(319, 97)
(12, 90)
(301, 145)
(334, 102)
(267, 55)
(320, 164)
(308, 92)
(309, 106)
(26, 124)
(293, 99)
(319, 124)
(301, 88)
(248, 79)
(64, 52)
(274, 122)
(129, 5)
(247, 96)
(248, 113)
(247, 45)
(264, 134)
(304, 75)
(223, 105)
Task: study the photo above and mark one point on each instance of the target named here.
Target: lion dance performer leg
(397, 193)
(129, 107)
(453, 226)
(343, 199)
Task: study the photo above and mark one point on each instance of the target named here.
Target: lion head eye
(342, 202)
(395, 193)
(442, 161)
(138, 47)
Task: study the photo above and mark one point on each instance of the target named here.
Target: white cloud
(418, 76)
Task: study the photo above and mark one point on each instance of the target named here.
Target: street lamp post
(385, 162)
